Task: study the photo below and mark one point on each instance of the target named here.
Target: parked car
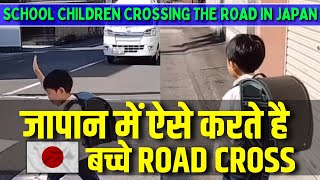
(132, 41)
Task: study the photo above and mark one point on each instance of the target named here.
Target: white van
(132, 41)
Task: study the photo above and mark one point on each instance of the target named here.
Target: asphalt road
(193, 67)
(127, 79)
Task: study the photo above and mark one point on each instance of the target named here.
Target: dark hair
(58, 79)
(247, 51)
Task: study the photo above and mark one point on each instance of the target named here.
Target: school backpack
(90, 102)
(295, 97)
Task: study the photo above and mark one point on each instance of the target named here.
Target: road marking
(37, 46)
(22, 89)
(88, 65)
(44, 98)
(5, 144)
(147, 101)
(39, 52)
(38, 83)
(95, 45)
(27, 97)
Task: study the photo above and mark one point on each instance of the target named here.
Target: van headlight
(150, 32)
(108, 32)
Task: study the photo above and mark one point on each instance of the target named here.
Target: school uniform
(84, 172)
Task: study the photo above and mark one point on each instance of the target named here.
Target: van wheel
(156, 57)
(110, 59)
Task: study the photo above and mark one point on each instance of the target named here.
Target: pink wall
(275, 42)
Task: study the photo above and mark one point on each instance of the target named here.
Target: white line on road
(21, 89)
(25, 97)
(38, 83)
(88, 65)
(37, 46)
(147, 101)
(43, 97)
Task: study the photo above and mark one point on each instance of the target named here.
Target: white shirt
(75, 107)
(231, 100)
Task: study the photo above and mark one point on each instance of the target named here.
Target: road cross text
(189, 160)
(236, 125)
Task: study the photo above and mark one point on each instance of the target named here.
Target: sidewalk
(189, 71)
(175, 81)
(199, 72)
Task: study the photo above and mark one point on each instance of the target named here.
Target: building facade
(293, 50)
(56, 35)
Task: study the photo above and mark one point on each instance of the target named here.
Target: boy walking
(245, 54)
(58, 85)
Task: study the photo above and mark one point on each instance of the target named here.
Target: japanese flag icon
(52, 157)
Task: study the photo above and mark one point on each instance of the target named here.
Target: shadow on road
(67, 57)
(21, 66)
(204, 36)
(204, 41)
(175, 52)
(133, 61)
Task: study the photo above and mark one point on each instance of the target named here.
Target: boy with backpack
(245, 54)
(58, 85)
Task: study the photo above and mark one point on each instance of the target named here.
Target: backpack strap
(73, 102)
(70, 104)
(259, 74)
(238, 84)
(254, 77)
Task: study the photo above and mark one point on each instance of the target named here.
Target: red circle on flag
(52, 157)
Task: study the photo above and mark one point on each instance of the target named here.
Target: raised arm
(37, 70)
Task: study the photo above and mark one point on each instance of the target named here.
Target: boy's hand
(37, 70)
(35, 64)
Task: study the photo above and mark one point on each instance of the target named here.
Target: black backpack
(90, 102)
(295, 97)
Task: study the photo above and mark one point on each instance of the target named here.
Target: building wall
(233, 31)
(275, 42)
(274, 38)
(67, 32)
(10, 40)
(62, 34)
